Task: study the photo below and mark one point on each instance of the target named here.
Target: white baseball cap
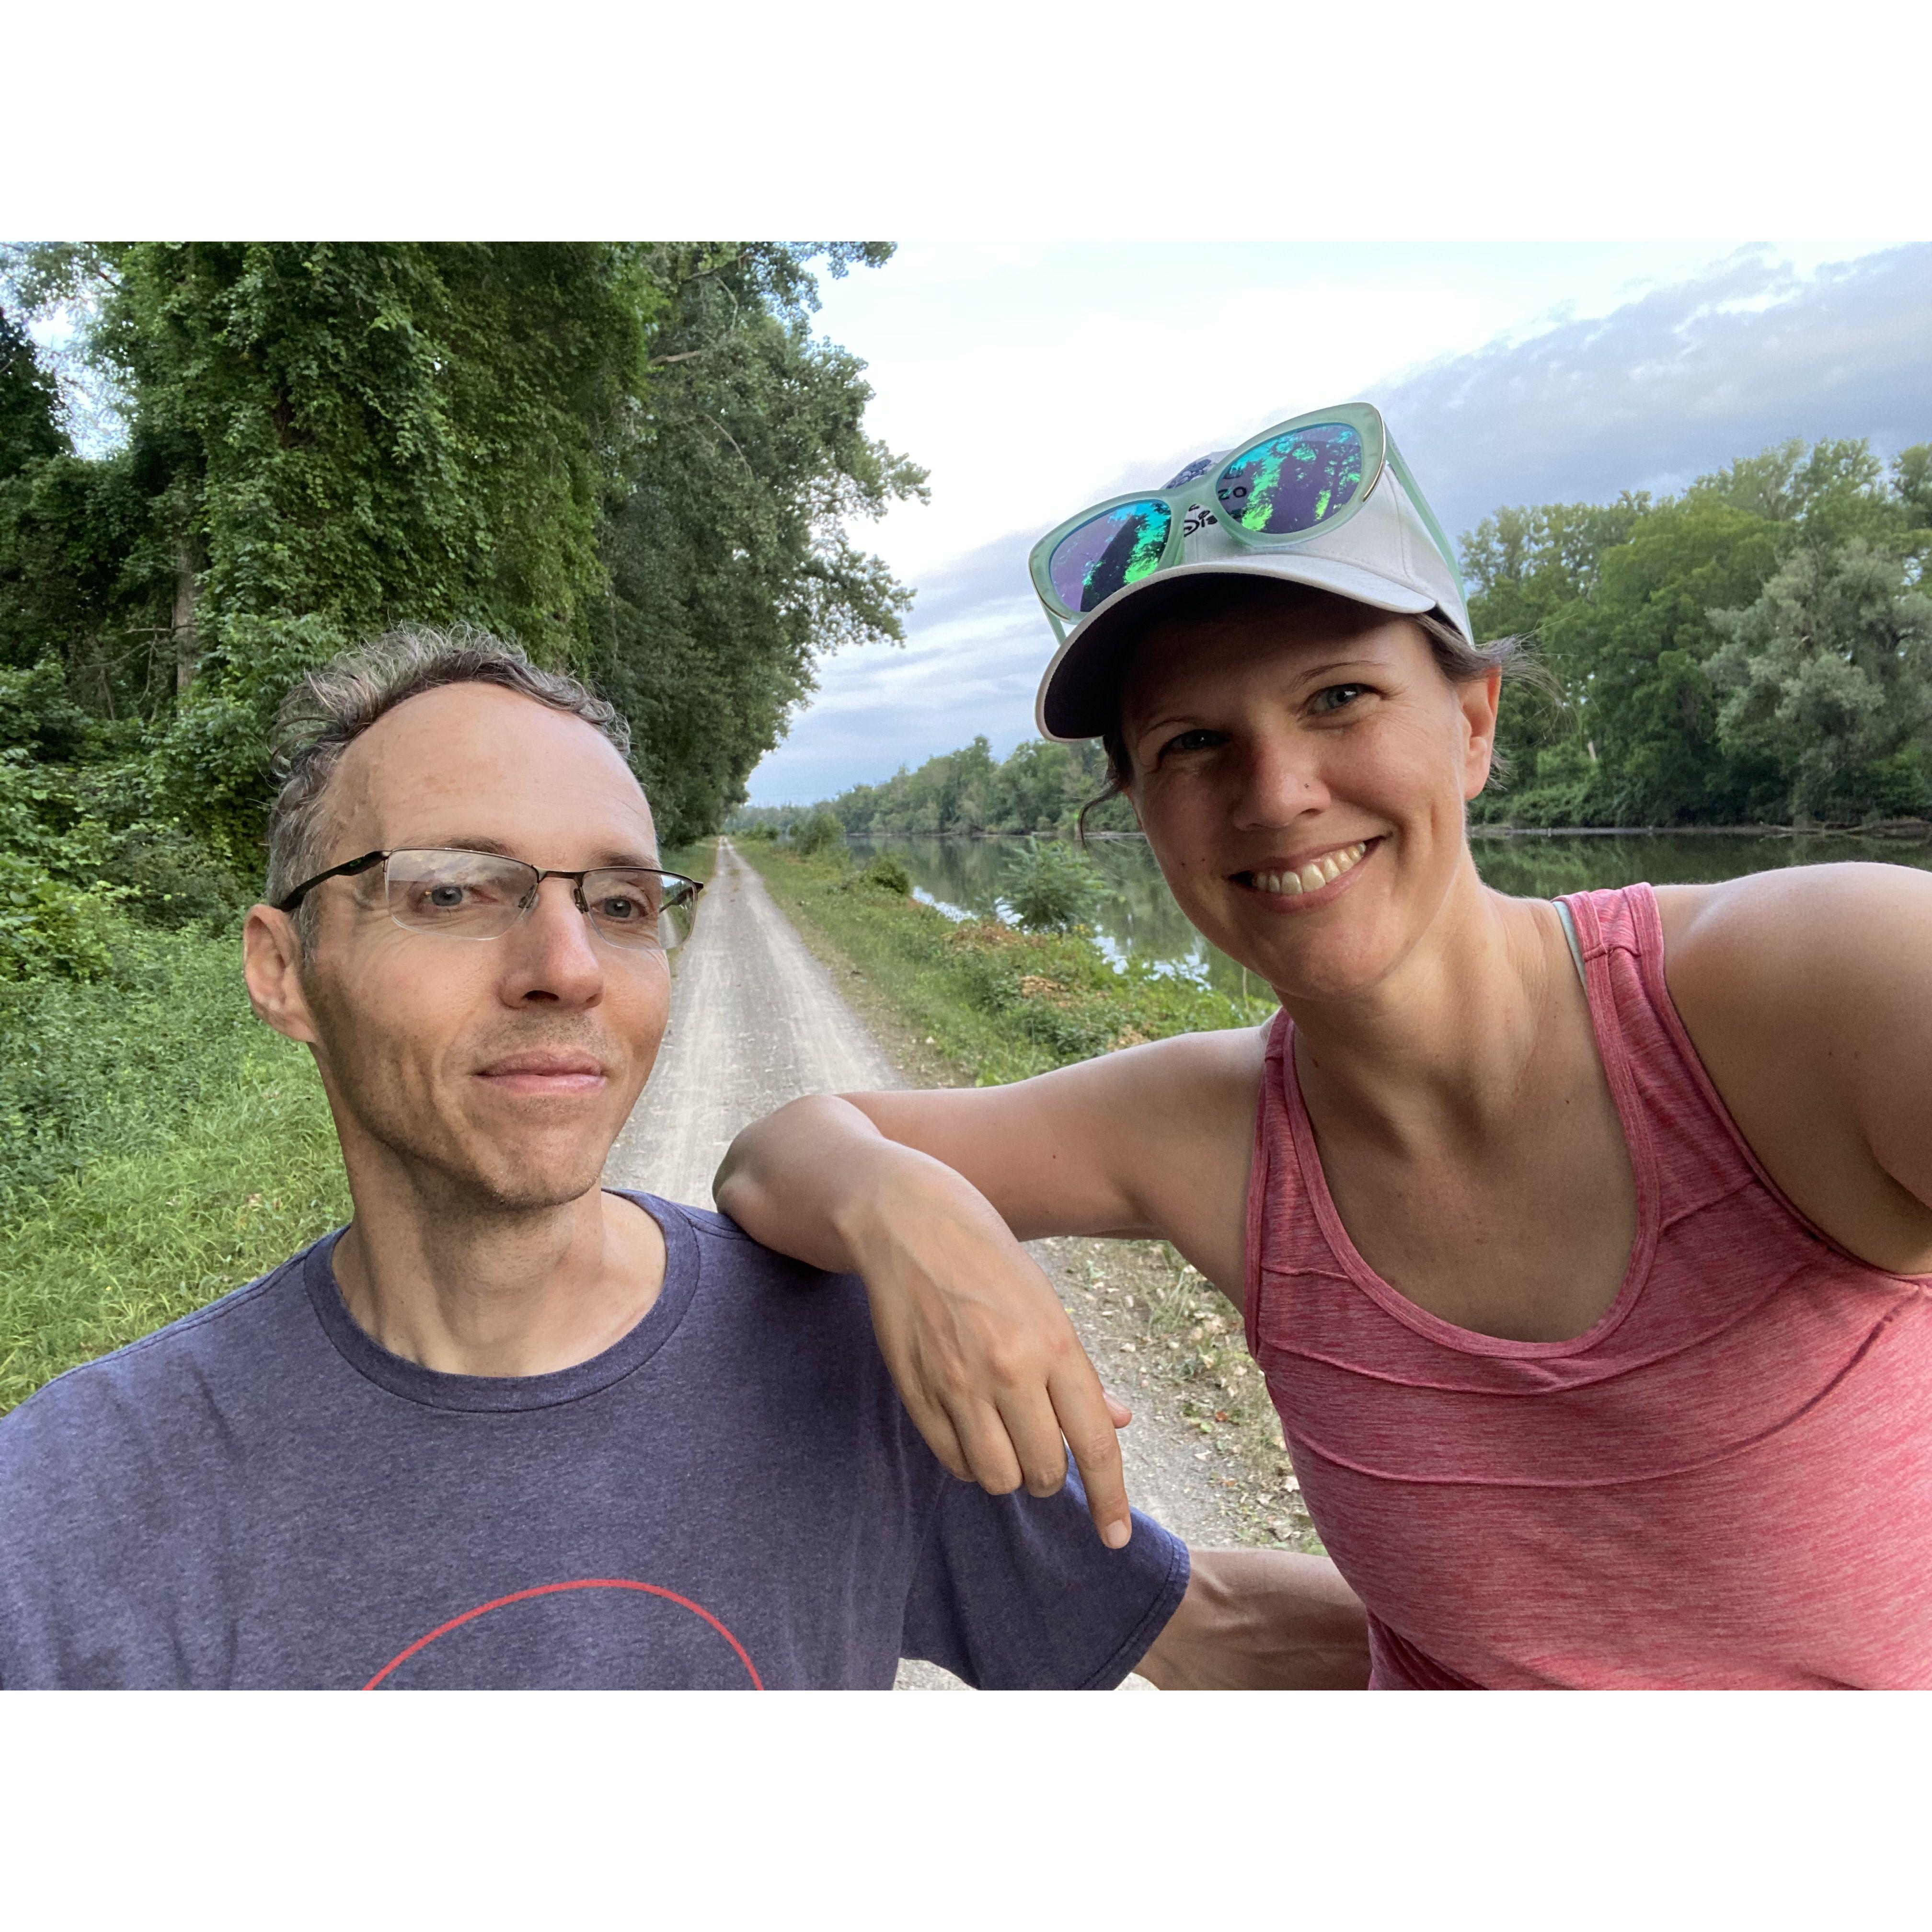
(1383, 555)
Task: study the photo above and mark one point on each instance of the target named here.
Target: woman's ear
(1479, 701)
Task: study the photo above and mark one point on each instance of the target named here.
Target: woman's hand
(982, 1353)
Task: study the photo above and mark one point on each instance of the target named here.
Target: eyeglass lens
(1294, 482)
(478, 895)
(1119, 547)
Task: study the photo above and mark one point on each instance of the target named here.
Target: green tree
(632, 457)
(28, 402)
(731, 570)
(1631, 658)
(1828, 679)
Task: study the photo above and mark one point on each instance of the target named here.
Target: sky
(1033, 379)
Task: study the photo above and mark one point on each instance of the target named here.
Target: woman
(1586, 1247)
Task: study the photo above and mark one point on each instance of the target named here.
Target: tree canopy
(1041, 787)
(635, 459)
(1752, 649)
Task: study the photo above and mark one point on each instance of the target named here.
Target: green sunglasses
(1297, 480)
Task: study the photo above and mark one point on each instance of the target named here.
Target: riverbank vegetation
(998, 1002)
(1756, 650)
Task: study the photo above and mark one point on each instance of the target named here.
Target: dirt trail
(757, 1020)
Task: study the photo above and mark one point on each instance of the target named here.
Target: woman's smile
(1301, 884)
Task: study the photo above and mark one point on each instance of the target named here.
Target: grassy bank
(998, 1004)
(158, 1146)
(135, 1240)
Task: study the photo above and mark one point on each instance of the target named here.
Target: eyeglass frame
(351, 867)
(1364, 419)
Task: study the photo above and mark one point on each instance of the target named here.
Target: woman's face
(1300, 775)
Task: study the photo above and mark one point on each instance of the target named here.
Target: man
(507, 1429)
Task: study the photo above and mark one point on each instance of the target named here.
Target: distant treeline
(1758, 648)
(1041, 788)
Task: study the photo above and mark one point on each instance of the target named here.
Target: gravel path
(757, 1020)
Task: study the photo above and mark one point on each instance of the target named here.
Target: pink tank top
(1726, 1483)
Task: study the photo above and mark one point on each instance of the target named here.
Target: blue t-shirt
(729, 1496)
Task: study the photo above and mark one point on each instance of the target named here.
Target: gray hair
(332, 706)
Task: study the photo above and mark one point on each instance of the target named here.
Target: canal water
(1138, 919)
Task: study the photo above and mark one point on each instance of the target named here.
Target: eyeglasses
(481, 895)
(1307, 475)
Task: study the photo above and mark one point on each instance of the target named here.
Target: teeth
(1313, 877)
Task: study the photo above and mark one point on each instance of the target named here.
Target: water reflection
(1140, 918)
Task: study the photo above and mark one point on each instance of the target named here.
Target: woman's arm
(1262, 1620)
(927, 1196)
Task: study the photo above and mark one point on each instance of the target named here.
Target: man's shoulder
(771, 1330)
(723, 1248)
(136, 1393)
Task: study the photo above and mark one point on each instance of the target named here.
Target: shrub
(1051, 888)
(818, 837)
(50, 931)
(883, 873)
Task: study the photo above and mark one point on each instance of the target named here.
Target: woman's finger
(1083, 1410)
(1033, 1429)
(933, 1424)
(987, 1448)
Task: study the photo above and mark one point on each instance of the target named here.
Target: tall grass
(158, 1146)
(136, 1239)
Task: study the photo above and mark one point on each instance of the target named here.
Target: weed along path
(757, 1020)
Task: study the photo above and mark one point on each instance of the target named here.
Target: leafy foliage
(730, 569)
(885, 874)
(1051, 887)
(820, 836)
(1828, 681)
(634, 458)
(1635, 606)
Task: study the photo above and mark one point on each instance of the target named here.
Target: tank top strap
(1274, 1145)
(1699, 1149)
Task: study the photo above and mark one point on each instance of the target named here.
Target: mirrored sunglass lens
(1117, 547)
(1292, 483)
(469, 893)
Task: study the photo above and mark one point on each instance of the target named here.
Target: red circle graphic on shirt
(402, 1657)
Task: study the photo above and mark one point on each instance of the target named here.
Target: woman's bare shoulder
(1807, 994)
(1778, 933)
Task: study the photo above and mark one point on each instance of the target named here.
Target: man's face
(501, 1069)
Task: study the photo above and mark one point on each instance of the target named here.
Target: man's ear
(272, 965)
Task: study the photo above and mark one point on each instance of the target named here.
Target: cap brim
(1077, 696)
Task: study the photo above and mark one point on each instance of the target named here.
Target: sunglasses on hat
(1299, 479)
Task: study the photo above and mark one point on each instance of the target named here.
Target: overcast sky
(1034, 380)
